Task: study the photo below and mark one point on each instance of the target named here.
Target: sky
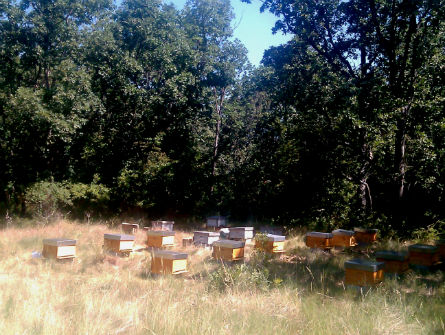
(252, 28)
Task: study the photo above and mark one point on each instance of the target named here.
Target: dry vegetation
(302, 293)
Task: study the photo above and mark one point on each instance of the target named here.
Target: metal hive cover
(430, 249)
(319, 234)
(364, 265)
(275, 238)
(58, 242)
(207, 233)
(170, 254)
(392, 255)
(343, 232)
(229, 244)
(119, 237)
(160, 233)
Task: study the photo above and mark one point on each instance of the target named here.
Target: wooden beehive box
(361, 272)
(160, 238)
(273, 244)
(205, 238)
(423, 254)
(228, 250)
(241, 233)
(118, 243)
(129, 228)
(162, 225)
(168, 262)
(395, 262)
(343, 238)
(319, 240)
(216, 221)
(187, 241)
(365, 236)
(59, 248)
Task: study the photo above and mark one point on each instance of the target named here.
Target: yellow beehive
(343, 238)
(365, 236)
(228, 250)
(272, 244)
(160, 238)
(129, 228)
(59, 248)
(118, 243)
(423, 254)
(168, 262)
(395, 262)
(319, 240)
(360, 272)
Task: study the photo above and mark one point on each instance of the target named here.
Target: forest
(140, 107)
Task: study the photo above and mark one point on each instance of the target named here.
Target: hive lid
(207, 233)
(391, 255)
(364, 265)
(430, 249)
(319, 234)
(162, 222)
(229, 244)
(170, 254)
(216, 217)
(343, 232)
(134, 225)
(58, 242)
(365, 230)
(119, 237)
(160, 233)
(240, 228)
(275, 238)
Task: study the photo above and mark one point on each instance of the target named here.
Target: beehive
(273, 244)
(129, 228)
(160, 238)
(365, 236)
(441, 246)
(423, 254)
(168, 262)
(59, 248)
(205, 237)
(216, 221)
(228, 250)
(187, 241)
(241, 233)
(319, 240)
(343, 238)
(395, 262)
(162, 225)
(118, 243)
(361, 272)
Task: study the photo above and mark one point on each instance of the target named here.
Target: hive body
(343, 238)
(129, 228)
(168, 262)
(241, 233)
(395, 262)
(272, 244)
(205, 237)
(162, 225)
(59, 248)
(363, 273)
(319, 240)
(365, 236)
(228, 250)
(119, 244)
(216, 221)
(160, 238)
(423, 254)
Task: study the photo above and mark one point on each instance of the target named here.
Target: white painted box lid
(229, 244)
(275, 238)
(119, 237)
(58, 242)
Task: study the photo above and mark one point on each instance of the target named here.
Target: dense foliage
(144, 106)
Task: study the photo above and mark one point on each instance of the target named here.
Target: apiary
(228, 250)
(205, 237)
(162, 225)
(129, 228)
(361, 272)
(160, 238)
(241, 233)
(118, 243)
(319, 240)
(423, 254)
(343, 238)
(395, 262)
(272, 244)
(59, 248)
(168, 262)
(365, 236)
(216, 221)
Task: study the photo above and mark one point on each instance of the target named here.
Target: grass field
(302, 293)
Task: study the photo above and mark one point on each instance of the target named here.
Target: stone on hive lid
(170, 254)
(275, 238)
(119, 237)
(343, 232)
(229, 244)
(392, 255)
(58, 242)
(425, 248)
(160, 233)
(319, 234)
(364, 265)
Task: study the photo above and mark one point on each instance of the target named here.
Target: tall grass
(302, 293)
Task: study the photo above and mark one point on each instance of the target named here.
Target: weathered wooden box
(343, 238)
(129, 228)
(365, 236)
(361, 272)
(241, 233)
(272, 244)
(216, 221)
(118, 243)
(59, 248)
(162, 225)
(160, 238)
(319, 240)
(205, 237)
(228, 250)
(423, 254)
(168, 262)
(395, 262)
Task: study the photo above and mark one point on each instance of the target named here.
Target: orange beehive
(319, 240)
(365, 236)
(228, 250)
(423, 254)
(361, 272)
(160, 238)
(168, 262)
(129, 228)
(59, 248)
(272, 244)
(118, 243)
(395, 262)
(343, 238)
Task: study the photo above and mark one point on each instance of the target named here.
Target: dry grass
(102, 295)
